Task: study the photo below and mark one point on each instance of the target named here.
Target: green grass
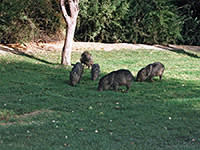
(40, 110)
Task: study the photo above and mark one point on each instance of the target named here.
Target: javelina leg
(79, 80)
(127, 88)
(88, 65)
(151, 77)
(160, 77)
(115, 87)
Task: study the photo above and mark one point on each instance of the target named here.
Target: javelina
(116, 78)
(151, 70)
(76, 74)
(86, 58)
(95, 71)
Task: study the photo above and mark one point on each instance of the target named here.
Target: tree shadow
(39, 88)
(167, 88)
(178, 50)
(16, 51)
(182, 51)
(40, 81)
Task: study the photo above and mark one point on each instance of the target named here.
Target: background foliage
(138, 21)
(24, 21)
(189, 10)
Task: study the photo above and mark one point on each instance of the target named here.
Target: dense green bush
(128, 21)
(189, 11)
(138, 21)
(101, 20)
(22, 20)
(153, 22)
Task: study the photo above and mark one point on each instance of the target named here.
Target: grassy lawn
(40, 110)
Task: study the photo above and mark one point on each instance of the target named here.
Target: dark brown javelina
(114, 79)
(151, 70)
(86, 59)
(76, 74)
(95, 71)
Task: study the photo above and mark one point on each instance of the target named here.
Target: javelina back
(76, 73)
(151, 70)
(86, 58)
(95, 71)
(114, 79)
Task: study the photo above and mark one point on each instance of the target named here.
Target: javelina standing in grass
(95, 71)
(116, 78)
(86, 58)
(76, 74)
(151, 70)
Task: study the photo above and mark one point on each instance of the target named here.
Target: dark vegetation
(138, 21)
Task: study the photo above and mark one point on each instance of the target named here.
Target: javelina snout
(95, 71)
(76, 74)
(114, 79)
(86, 59)
(151, 70)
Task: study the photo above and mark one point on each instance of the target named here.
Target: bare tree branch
(64, 11)
(74, 9)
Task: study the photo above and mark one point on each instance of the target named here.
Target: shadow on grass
(167, 88)
(79, 111)
(22, 53)
(46, 85)
(179, 51)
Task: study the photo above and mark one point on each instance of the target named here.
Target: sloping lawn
(40, 110)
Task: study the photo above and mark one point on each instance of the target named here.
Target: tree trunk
(71, 25)
(67, 48)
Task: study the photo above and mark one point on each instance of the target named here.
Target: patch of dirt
(24, 116)
(81, 46)
(31, 114)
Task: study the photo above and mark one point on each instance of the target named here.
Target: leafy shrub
(138, 21)
(22, 20)
(189, 11)
(101, 20)
(122, 21)
(153, 22)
